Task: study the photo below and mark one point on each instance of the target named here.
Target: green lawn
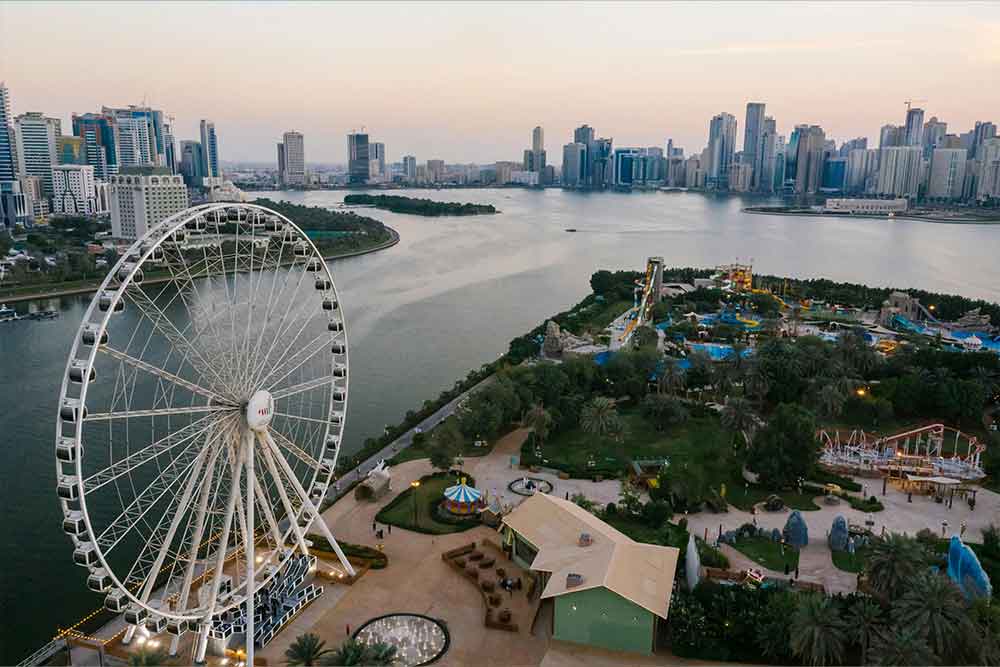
(850, 562)
(744, 497)
(417, 514)
(575, 448)
(767, 553)
(670, 535)
(469, 449)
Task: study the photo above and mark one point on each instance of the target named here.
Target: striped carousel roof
(462, 493)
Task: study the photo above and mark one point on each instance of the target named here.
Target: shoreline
(872, 216)
(87, 289)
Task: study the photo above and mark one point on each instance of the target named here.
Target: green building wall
(600, 617)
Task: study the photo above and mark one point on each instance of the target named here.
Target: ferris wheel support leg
(307, 503)
(251, 552)
(220, 560)
(289, 510)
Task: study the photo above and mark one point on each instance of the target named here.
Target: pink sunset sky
(467, 82)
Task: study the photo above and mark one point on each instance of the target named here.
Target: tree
(353, 652)
(818, 635)
(307, 649)
(785, 450)
(893, 562)
(446, 444)
(701, 372)
(540, 421)
(600, 416)
(670, 378)
(830, 401)
(933, 603)
(737, 417)
(865, 617)
(664, 410)
(645, 336)
(902, 646)
(148, 658)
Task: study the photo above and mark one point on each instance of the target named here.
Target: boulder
(839, 534)
(796, 532)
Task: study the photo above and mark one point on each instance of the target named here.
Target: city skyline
(442, 64)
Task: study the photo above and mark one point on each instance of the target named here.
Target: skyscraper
(899, 171)
(7, 167)
(914, 129)
(100, 142)
(534, 157)
(573, 164)
(143, 197)
(585, 135)
(862, 169)
(809, 159)
(988, 179)
(358, 165)
(192, 163)
(170, 149)
(934, 131)
(601, 163)
(210, 149)
(947, 173)
(35, 140)
(138, 136)
(292, 159)
(891, 135)
(763, 178)
(410, 168)
(376, 161)
(721, 145)
(74, 191)
(71, 150)
(983, 131)
(435, 171)
(629, 167)
(753, 147)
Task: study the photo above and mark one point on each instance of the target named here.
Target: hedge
(377, 559)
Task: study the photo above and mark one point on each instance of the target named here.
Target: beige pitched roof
(642, 573)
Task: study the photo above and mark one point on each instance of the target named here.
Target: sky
(468, 82)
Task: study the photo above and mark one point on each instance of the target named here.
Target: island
(416, 206)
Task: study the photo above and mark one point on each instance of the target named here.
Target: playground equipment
(918, 451)
(735, 277)
(646, 295)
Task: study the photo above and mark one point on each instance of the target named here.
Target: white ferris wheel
(200, 420)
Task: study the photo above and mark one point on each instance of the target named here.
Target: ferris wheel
(200, 419)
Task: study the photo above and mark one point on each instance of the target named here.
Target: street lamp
(414, 485)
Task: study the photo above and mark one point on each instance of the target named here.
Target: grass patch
(422, 451)
(744, 496)
(415, 509)
(850, 562)
(669, 535)
(767, 553)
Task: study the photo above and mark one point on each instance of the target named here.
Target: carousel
(463, 499)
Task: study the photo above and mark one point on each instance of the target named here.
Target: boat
(571, 229)
(7, 311)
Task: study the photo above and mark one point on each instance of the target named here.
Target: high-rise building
(210, 149)
(376, 161)
(141, 198)
(170, 149)
(891, 135)
(694, 177)
(629, 165)
(769, 146)
(74, 191)
(573, 165)
(138, 136)
(534, 157)
(99, 135)
(809, 159)
(753, 146)
(15, 209)
(852, 144)
(35, 138)
(913, 131)
(740, 177)
(834, 174)
(862, 170)
(8, 168)
(71, 150)
(791, 153)
(655, 168)
(934, 131)
(983, 131)
(721, 146)
(292, 159)
(585, 135)
(358, 158)
(435, 171)
(988, 179)
(899, 171)
(192, 164)
(947, 173)
(410, 168)
(601, 160)
(34, 194)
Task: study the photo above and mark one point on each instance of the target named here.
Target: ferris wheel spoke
(309, 385)
(298, 358)
(130, 517)
(186, 434)
(159, 372)
(295, 450)
(301, 418)
(291, 514)
(158, 412)
(280, 329)
(271, 302)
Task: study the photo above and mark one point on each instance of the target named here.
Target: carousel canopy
(462, 493)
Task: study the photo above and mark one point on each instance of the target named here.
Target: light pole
(415, 484)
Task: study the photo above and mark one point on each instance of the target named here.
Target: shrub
(826, 477)
(611, 509)
(655, 512)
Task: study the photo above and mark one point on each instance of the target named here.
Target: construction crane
(910, 103)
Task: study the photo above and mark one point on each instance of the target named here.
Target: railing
(41, 655)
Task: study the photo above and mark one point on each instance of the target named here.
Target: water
(446, 299)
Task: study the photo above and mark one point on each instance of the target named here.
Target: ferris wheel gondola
(195, 412)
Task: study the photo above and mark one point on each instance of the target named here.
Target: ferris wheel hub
(260, 410)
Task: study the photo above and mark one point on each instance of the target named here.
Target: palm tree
(600, 416)
(756, 384)
(147, 658)
(671, 378)
(893, 562)
(934, 604)
(737, 416)
(540, 421)
(901, 646)
(865, 618)
(818, 635)
(353, 652)
(307, 649)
